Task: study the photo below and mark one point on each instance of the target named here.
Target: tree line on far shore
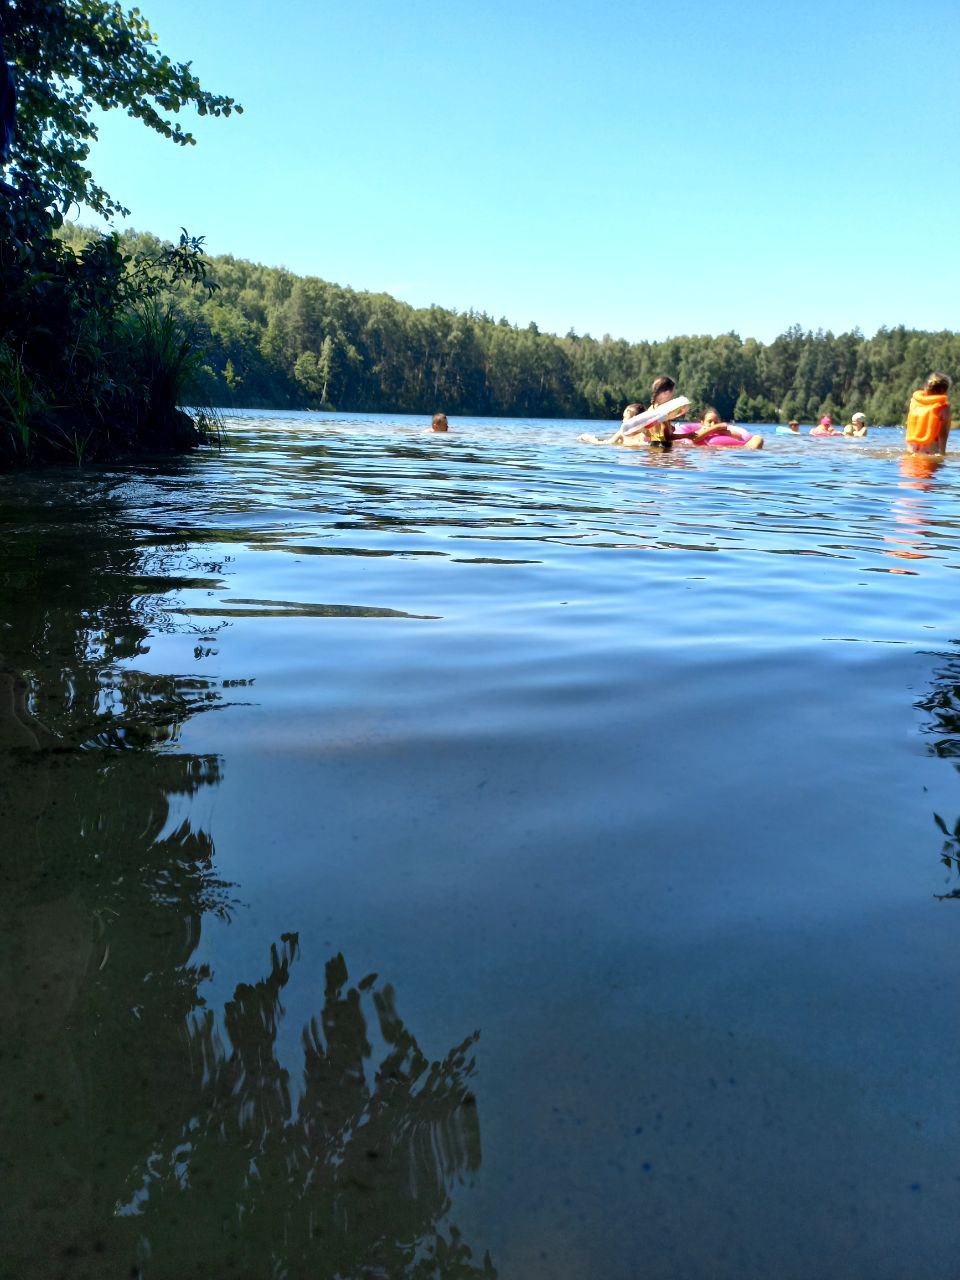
(270, 339)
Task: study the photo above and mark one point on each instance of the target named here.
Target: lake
(480, 855)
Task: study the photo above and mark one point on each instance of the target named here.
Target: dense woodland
(271, 339)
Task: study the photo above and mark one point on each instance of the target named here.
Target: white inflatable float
(633, 426)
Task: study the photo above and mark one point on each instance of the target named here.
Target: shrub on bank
(93, 363)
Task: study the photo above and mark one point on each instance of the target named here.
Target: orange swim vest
(925, 419)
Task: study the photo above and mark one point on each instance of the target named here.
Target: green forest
(268, 338)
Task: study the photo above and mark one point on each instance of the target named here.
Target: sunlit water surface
(447, 856)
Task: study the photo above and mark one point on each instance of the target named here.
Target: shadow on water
(140, 1133)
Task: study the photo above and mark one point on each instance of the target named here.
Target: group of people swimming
(928, 422)
(856, 427)
(641, 427)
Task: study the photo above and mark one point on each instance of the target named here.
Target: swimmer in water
(711, 424)
(658, 435)
(929, 418)
(857, 426)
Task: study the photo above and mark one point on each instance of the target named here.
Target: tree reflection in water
(139, 1134)
(942, 706)
(352, 1179)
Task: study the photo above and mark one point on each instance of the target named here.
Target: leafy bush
(91, 362)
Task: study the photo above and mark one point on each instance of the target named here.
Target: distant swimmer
(439, 422)
(929, 419)
(857, 426)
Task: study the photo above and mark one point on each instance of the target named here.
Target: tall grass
(20, 402)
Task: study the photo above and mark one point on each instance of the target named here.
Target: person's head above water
(826, 421)
(858, 417)
(632, 410)
(439, 422)
(937, 384)
(662, 390)
(711, 418)
(793, 424)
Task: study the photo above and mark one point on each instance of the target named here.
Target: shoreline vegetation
(94, 361)
(269, 339)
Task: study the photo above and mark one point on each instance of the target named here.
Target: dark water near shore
(446, 856)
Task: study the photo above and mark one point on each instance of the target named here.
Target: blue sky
(642, 170)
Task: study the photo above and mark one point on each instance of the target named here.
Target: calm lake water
(455, 856)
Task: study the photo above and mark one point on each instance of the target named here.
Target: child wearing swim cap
(857, 426)
(929, 419)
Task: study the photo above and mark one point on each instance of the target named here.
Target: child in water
(659, 435)
(857, 426)
(826, 427)
(711, 424)
(439, 422)
(928, 421)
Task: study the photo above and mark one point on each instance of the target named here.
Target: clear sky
(640, 169)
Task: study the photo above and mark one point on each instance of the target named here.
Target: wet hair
(662, 384)
(632, 410)
(439, 422)
(937, 384)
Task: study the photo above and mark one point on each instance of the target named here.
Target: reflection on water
(942, 705)
(611, 756)
(909, 541)
(351, 1179)
(141, 1133)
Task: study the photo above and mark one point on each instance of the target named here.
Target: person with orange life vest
(928, 419)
